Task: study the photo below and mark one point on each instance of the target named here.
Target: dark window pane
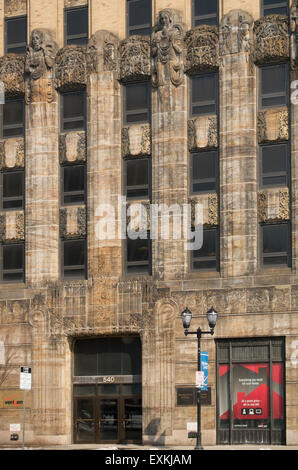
(137, 250)
(274, 85)
(137, 96)
(276, 260)
(275, 7)
(274, 101)
(137, 172)
(274, 165)
(140, 31)
(204, 171)
(209, 245)
(210, 264)
(74, 253)
(13, 118)
(203, 97)
(13, 190)
(210, 21)
(77, 24)
(73, 110)
(139, 12)
(275, 238)
(16, 35)
(205, 7)
(13, 256)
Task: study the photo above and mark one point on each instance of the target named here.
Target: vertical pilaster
(238, 155)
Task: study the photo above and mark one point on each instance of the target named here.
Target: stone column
(169, 140)
(42, 162)
(47, 15)
(238, 155)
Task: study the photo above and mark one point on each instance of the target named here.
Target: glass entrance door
(109, 422)
(84, 420)
(133, 419)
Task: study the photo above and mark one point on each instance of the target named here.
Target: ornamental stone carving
(202, 49)
(135, 58)
(293, 34)
(273, 125)
(136, 140)
(274, 205)
(39, 67)
(70, 68)
(272, 41)
(72, 147)
(236, 33)
(102, 52)
(202, 133)
(73, 222)
(12, 74)
(167, 50)
(12, 153)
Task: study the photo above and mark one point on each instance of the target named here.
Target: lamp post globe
(212, 317)
(186, 316)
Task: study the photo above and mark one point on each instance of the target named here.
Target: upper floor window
(204, 171)
(73, 110)
(203, 94)
(74, 258)
(16, 35)
(275, 165)
(139, 17)
(73, 189)
(12, 262)
(12, 189)
(204, 12)
(137, 177)
(274, 85)
(276, 244)
(76, 26)
(138, 255)
(275, 7)
(13, 118)
(137, 102)
(207, 257)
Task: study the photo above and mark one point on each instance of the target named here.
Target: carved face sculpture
(36, 40)
(164, 20)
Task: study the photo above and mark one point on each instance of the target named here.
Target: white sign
(15, 427)
(192, 427)
(25, 378)
(199, 379)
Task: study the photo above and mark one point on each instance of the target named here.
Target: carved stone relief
(39, 67)
(72, 147)
(135, 58)
(12, 226)
(70, 68)
(73, 222)
(209, 204)
(273, 125)
(12, 74)
(15, 7)
(167, 50)
(136, 140)
(272, 41)
(202, 49)
(274, 205)
(293, 34)
(12, 154)
(202, 133)
(102, 53)
(236, 33)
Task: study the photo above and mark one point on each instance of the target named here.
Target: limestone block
(273, 125)
(73, 222)
(274, 205)
(12, 226)
(72, 147)
(12, 154)
(203, 133)
(136, 140)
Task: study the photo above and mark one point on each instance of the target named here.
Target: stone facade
(41, 318)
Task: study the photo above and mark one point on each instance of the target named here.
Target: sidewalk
(115, 448)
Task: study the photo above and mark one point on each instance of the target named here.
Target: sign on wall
(14, 399)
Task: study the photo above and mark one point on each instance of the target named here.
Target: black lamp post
(186, 316)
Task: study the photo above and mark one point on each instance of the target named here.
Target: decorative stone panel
(71, 68)
(12, 74)
(140, 217)
(72, 147)
(273, 125)
(12, 154)
(103, 53)
(236, 33)
(15, 8)
(272, 39)
(136, 140)
(274, 205)
(73, 222)
(209, 205)
(203, 133)
(135, 58)
(12, 226)
(202, 49)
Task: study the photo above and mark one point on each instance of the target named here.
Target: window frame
(215, 258)
(142, 26)
(19, 44)
(65, 120)
(124, 103)
(277, 5)
(273, 95)
(286, 173)
(22, 198)
(72, 193)
(73, 267)
(147, 264)
(148, 186)
(206, 180)
(288, 253)
(197, 18)
(76, 36)
(203, 103)
(19, 126)
(7, 271)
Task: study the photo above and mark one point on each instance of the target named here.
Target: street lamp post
(186, 316)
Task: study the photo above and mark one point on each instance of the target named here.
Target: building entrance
(107, 391)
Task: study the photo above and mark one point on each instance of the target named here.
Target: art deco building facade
(164, 102)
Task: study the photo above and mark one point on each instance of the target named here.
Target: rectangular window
(204, 171)
(76, 26)
(203, 91)
(274, 85)
(73, 110)
(13, 262)
(16, 35)
(204, 12)
(275, 7)
(74, 259)
(139, 17)
(275, 165)
(13, 118)
(73, 177)
(12, 189)
(276, 244)
(138, 255)
(137, 102)
(137, 178)
(207, 257)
